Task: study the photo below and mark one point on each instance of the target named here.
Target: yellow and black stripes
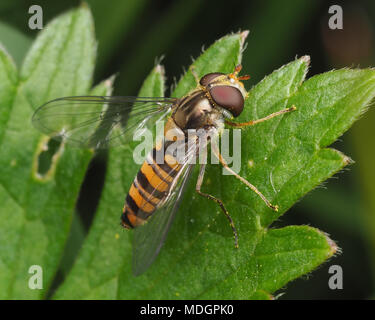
(149, 188)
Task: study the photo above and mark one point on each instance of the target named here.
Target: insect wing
(99, 121)
(149, 238)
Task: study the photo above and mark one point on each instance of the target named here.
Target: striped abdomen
(150, 187)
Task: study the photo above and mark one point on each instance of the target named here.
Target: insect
(155, 194)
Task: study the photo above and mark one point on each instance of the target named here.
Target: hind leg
(218, 201)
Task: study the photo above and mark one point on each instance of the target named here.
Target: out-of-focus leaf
(16, 43)
(155, 43)
(363, 146)
(37, 210)
(289, 19)
(112, 22)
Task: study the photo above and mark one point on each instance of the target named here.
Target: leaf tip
(334, 248)
(7, 55)
(160, 69)
(243, 36)
(108, 83)
(306, 59)
(347, 160)
(84, 5)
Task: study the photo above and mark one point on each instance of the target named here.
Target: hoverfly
(155, 194)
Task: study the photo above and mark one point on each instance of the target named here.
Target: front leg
(252, 122)
(243, 180)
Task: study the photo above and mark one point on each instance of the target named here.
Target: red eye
(229, 98)
(205, 80)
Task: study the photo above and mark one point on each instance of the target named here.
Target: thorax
(196, 111)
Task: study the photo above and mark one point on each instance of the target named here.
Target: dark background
(132, 34)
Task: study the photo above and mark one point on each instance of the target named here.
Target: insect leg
(253, 122)
(218, 201)
(243, 180)
(196, 77)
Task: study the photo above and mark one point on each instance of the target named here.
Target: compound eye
(229, 98)
(206, 79)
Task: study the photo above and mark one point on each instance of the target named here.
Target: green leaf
(280, 256)
(37, 209)
(8, 87)
(222, 56)
(199, 250)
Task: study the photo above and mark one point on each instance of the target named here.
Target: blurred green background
(133, 34)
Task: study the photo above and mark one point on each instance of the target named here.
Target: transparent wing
(149, 238)
(99, 121)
